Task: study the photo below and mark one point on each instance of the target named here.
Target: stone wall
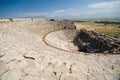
(94, 42)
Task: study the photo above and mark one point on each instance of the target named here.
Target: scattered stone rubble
(94, 42)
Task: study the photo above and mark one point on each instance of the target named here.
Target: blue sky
(60, 8)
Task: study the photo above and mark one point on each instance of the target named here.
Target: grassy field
(110, 29)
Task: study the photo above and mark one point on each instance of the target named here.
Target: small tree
(11, 19)
(52, 20)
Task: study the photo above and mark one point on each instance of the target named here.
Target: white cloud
(34, 14)
(75, 13)
(110, 4)
(47, 14)
(71, 9)
(31, 14)
(62, 11)
(59, 11)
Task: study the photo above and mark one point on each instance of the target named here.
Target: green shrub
(11, 19)
(52, 20)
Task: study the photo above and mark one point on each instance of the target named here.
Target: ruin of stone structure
(94, 42)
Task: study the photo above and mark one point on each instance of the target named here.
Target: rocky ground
(24, 56)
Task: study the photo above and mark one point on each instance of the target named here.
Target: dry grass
(108, 29)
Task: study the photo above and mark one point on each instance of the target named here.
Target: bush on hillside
(52, 20)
